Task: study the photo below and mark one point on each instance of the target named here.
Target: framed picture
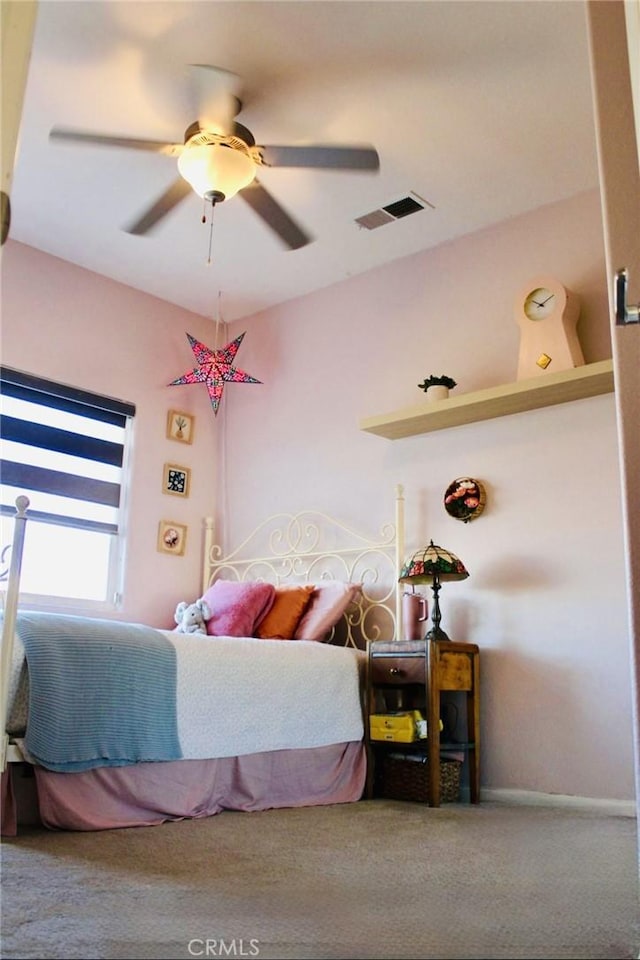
(172, 537)
(464, 499)
(180, 426)
(176, 480)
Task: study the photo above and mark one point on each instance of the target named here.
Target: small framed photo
(180, 426)
(176, 480)
(172, 537)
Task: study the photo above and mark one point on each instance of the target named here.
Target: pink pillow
(236, 607)
(329, 601)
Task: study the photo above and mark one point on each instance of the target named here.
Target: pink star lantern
(215, 368)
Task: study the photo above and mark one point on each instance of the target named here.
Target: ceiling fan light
(214, 168)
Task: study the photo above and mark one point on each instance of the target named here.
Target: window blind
(64, 448)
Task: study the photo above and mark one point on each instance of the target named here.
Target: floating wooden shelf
(590, 380)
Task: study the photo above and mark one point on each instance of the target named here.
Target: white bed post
(208, 546)
(9, 619)
(399, 557)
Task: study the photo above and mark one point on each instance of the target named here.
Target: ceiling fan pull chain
(213, 206)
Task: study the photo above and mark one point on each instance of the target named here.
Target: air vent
(402, 208)
(375, 219)
(393, 211)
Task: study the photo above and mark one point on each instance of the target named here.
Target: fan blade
(178, 190)
(262, 203)
(104, 140)
(339, 158)
(217, 94)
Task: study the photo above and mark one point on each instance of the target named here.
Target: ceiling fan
(219, 158)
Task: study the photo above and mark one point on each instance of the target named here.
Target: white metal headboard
(308, 547)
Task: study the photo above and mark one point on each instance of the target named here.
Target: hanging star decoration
(215, 368)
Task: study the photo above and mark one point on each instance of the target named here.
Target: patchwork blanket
(107, 693)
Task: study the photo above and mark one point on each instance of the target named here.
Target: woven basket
(406, 779)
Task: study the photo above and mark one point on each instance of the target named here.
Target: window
(66, 450)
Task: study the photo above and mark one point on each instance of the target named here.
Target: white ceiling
(481, 108)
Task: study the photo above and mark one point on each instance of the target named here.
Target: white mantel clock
(547, 314)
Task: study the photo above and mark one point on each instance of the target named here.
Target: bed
(122, 725)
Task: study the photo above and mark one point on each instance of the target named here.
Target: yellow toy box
(402, 727)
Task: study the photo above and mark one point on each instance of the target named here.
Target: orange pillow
(281, 621)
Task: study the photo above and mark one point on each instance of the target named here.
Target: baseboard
(610, 808)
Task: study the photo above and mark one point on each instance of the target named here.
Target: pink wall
(68, 324)
(546, 596)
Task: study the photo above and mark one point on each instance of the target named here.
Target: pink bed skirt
(150, 793)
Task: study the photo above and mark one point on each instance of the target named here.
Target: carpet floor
(375, 879)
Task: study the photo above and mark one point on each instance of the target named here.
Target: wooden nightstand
(412, 674)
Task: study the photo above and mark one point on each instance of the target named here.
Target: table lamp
(433, 564)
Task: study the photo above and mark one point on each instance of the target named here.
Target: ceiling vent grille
(375, 219)
(393, 211)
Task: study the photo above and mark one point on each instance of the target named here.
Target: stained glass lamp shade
(433, 565)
